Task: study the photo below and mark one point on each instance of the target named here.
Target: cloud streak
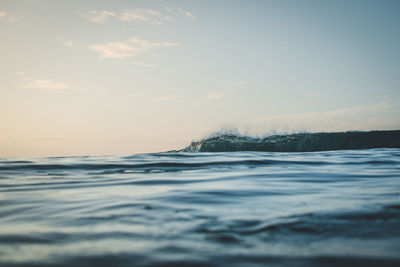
(43, 84)
(66, 42)
(5, 16)
(127, 15)
(130, 48)
(97, 16)
(186, 13)
(144, 15)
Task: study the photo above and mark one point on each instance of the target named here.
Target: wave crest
(299, 142)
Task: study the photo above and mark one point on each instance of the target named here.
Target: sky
(126, 77)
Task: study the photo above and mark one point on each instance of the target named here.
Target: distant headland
(299, 142)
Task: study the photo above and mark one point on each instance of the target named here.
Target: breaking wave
(299, 142)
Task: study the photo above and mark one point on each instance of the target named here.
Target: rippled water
(168, 209)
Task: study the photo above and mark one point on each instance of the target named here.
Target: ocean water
(336, 208)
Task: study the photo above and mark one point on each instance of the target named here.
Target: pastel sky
(125, 77)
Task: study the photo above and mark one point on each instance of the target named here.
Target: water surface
(206, 209)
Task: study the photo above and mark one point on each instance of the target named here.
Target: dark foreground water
(197, 209)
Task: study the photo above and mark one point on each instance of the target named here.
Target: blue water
(202, 209)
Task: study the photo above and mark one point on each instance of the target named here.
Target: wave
(300, 142)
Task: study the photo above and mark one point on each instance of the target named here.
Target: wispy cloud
(5, 16)
(46, 85)
(144, 15)
(97, 16)
(217, 95)
(128, 15)
(42, 84)
(186, 13)
(66, 42)
(120, 50)
(166, 98)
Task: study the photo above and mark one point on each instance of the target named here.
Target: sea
(333, 208)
